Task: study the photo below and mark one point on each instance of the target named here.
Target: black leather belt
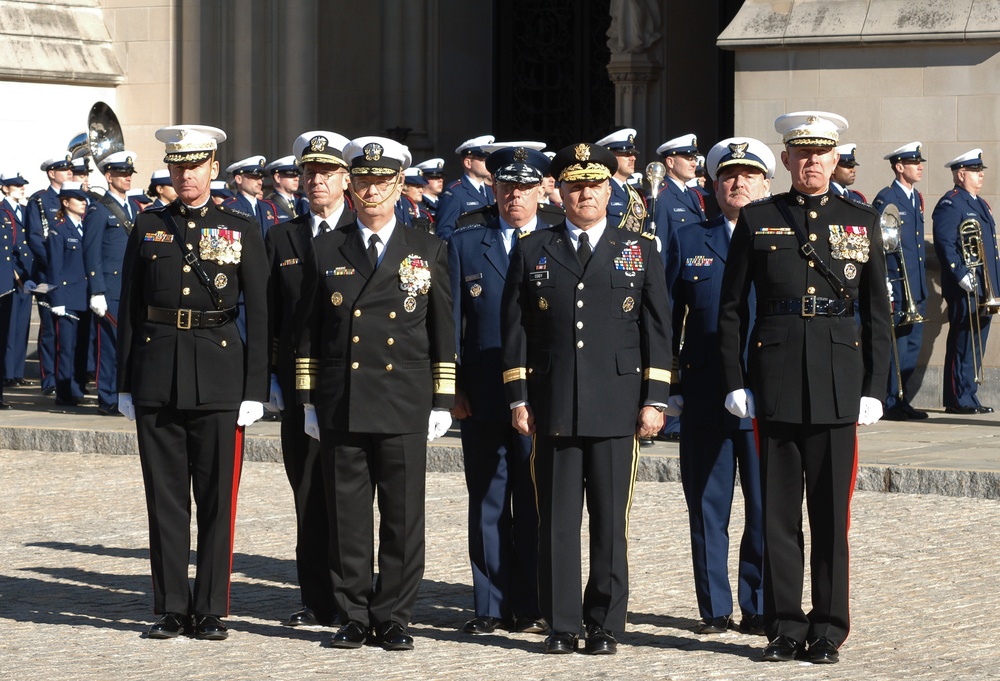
(191, 319)
(809, 306)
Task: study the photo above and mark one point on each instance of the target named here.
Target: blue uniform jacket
(104, 240)
(267, 213)
(49, 199)
(952, 209)
(17, 259)
(675, 208)
(459, 198)
(65, 269)
(911, 237)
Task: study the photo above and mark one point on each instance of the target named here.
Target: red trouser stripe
(237, 463)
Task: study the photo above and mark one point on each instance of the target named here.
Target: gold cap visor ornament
(583, 163)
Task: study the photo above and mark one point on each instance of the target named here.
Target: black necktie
(373, 242)
(324, 227)
(584, 251)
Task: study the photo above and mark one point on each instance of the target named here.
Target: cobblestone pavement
(75, 592)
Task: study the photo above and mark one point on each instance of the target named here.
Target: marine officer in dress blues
(626, 209)
(433, 170)
(469, 192)
(12, 214)
(248, 176)
(677, 204)
(812, 375)
(39, 216)
(715, 446)
(375, 372)
(106, 228)
(961, 285)
(503, 520)
(285, 179)
(845, 174)
(160, 188)
(319, 154)
(189, 380)
(586, 357)
(907, 163)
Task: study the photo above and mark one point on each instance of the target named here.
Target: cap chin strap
(372, 204)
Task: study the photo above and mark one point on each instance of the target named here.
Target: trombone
(971, 236)
(892, 243)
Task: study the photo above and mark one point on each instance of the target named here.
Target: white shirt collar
(908, 192)
(384, 234)
(594, 234)
(330, 221)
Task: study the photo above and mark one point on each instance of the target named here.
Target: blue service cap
(622, 141)
(474, 146)
(72, 190)
(62, 161)
(970, 159)
(847, 158)
(159, 178)
(433, 167)
(518, 165)
(249, 166)
(414, 176)
(740, 151)
(686, 145)
(220, 189)
(907, 152)
(12, 179)
(285, 164)
(119, 162)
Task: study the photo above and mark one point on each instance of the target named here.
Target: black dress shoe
(170, 625)
(670, 437)
(393, 636)
(645, 442)
(782, 649)
(4, 405)
(984, 410)
(68, 401)
(915, 414)
(49, 392)
(715, 625)
(822, 651)
(559, 642)
(481, 625)
(303, 618)
(961, 410)
(600, 641)
(895, 413)
(210, 628)
(752, 625)
(530, 625)
(23, 382)
(351, 635)
(111, 411)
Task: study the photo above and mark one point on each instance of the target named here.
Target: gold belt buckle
(184, 319)
(808, 306)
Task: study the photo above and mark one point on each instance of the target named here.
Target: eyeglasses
(509, 187)
(382, 186)
(323, 176)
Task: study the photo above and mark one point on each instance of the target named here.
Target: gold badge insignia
(812, 120)
(520, 154)
(850, 271)
(694, 141)
(318, 143)
(221, 280)
(373, 151)
(628, 304)
(543, 304)
(128, 160)
(476, 290)
(739, 150)
(410, 304)
(582, 152)
(337, 298)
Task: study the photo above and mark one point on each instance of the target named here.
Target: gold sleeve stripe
(518, 374)
(305, 382)
(444, 387)
(661, 375)
(443, 365)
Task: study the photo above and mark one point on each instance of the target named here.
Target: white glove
(739, 403)
(125, 406)
(277, 402)
(968, 282)
(59, 310)
(249, 413)
(870, 411)
(438, 424)
(311, 427)
(99, 304)
(675, 405)
(30, 286)
(888, 286)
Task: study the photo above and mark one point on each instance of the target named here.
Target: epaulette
(469, 228)
(647, 235)
(479, 216)
(549, 214)
(857, 204)
(153, 209)
(238, 213)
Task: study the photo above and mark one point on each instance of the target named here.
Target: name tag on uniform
(538, 276)
(290, 261)
(474, 277)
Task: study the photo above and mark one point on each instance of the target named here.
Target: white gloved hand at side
(438, 424)
(277, 402)
(125, 406)
(675, 405)
(888, 286)
(870, 411)
(99, 304)
(739, 403)
(59, 310)
(311, 426)
(968, 282)
(250, 412)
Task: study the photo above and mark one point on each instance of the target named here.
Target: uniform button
(812, 237)
(357, 313)
(148, 339)
(388, 367)
(812, 264)
(695, 278)
(530, 370)
(579, 325)
(813, 214)
(392, 315)
(356, 339)
(115, 272)
(64, 283)
(190, 224)
(811, 290)
(355, 365)
(186, 291)
(389, 341)
(773, 247)
(855, 344)
(223, 343)
(579, 344)
(759, 344)
(186, 269)
(579, 303)
(580, 286)
(154, 257)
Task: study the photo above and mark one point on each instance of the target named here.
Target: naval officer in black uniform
(586, 357)
(376, 374)
(812, 375)
(188, 379)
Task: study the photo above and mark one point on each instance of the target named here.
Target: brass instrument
(655, 172)
(104, 134)
(892, 242)
(971, 237)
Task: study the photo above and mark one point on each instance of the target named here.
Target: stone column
(633, 37)
(404, 74)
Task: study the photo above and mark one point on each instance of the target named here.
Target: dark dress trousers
(288, 246)
(715, 446)
(16, 245)
(503, 520)
(961, 353)
(187, 378)
(65, 270)
(376, 352)
(39, 218)
(807, 373)
(585, 348)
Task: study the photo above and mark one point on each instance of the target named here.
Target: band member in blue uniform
(715, 445)
(469, 192)
(503, 521)
(248, 176)
(907, 164)
(812, 375)
(160, 189)
(412, 200)
(189, 380)
(586, 357)
(846, 174)
(12, 213)
(433, 170)
(627, 208)
(961, 285)
(678, 204)
(106, 228)
(285, 179)
(319, 154)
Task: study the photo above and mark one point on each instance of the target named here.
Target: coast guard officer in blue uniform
(678, 204)
(716, 445)
(469, 192)
(845, 174)
(105, 233)
(626, 209)
(433, 170)
(161, 188)
(959, 283)
(286, 177)
(39, 216)
(503, 520)
(14, 268)
(907, 163)
(20, 316)
(248, 175)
